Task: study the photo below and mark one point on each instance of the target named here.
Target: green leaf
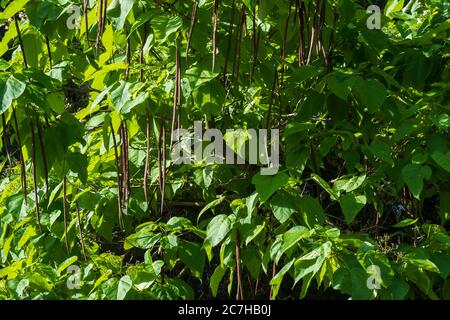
(216, 278)
(192, 255)
(125, 8)
(405, 223)
(371, 93)
(442, 159)
(9, 91)
(211, 205)
(310, 210)
(294, 235)
(296, 127)
(67, 263)
(141, 20)
(275, 282)
(351, 205)
(30, 231)
(393, 6)
(283, 207)
(338, 86)
(218, 228)
(382, 151)
(198, 76)
(413, 175)
(303, 73)
(312, 261)
(164, 25)
(266, 185)
(325, 186)
(125, 284)
(13, 8)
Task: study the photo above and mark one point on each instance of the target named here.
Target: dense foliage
(93, 207)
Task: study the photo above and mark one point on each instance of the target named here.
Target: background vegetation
(87, 181)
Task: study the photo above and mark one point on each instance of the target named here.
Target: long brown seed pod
(272, 95)
(238, 44)
(240, 291)
(6, 139)
(256, 35)
(274, 271)
(43, 154)
(64, 186)
(141, 54)
(47, 42)
(33, 159)
(119, 177)
(105, 6)
(162, 161)
(126, 164)
(301, 26)
(23, 175)
(147, 155)
(86, 21)
(99, 25)
(128, 59)
(124, 161)
(19, 35)
(163, 133)
(329, 59)
(80, 228)
(283, 47)
(230, 39)
(177, 93)
(191, 27)
(214, 33)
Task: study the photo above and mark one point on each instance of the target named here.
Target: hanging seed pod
(283, 46)
(126, 174)
(128, 59)
(272, 98)
(64, 186)
(176, 94)
(86, 21)
(47, 42)
(191, 27)
(23, 176)
(119, 177)
(238, 44)
(33, 159)
(43, 154)
(230, 39)
(214, 33)
(162, 162)
(6, 139)
(301, 26)
(99, 25)
(80, 228)
(240, 290)
(147, 155)
(19, 35)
